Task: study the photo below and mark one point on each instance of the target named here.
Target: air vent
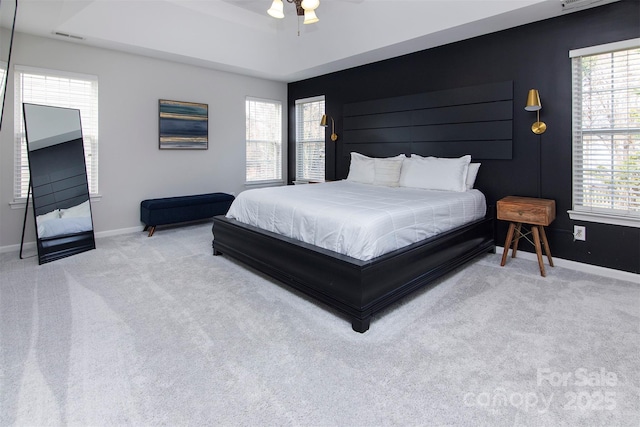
(572, 5)
(69, 36)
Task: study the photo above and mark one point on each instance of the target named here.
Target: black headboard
(475, 120)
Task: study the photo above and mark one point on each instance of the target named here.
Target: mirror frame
(7, 8)
(58, 181)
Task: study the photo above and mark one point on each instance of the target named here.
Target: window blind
(58, 89)
(606, 131)
(263, 140)
(310, 139)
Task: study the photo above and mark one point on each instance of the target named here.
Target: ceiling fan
(306, 8)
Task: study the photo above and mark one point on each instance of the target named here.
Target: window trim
(310, 99)
(603, 218)
(21, 203)
(595, 215)
(267, 182)
(605, 48)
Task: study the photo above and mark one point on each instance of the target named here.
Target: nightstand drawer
(527, 210)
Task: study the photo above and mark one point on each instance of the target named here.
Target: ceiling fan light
(310, 4)
(277, 9)
(310, 17)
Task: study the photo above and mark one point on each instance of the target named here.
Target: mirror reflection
(59, 184)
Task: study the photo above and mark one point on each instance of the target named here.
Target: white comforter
(62, 226)
(359, 220)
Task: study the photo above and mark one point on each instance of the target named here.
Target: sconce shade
(310, 16)
(533, 101)
(323, 121)
(277, 9)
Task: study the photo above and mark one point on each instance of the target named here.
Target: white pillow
(76, 211)
(472, 173)
(361, 169)
(54, 214)
(433, 173)
(387, 171)
(406, 173)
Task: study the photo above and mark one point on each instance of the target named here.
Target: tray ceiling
(239, 36)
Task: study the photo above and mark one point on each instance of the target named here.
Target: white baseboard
(118, 232)
(579, 266)
(16, 248)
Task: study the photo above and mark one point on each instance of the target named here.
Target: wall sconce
(533, 104)
(324, 124)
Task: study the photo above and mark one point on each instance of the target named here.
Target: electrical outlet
(579, 232)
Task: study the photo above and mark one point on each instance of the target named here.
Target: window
(264, 140)
(606, 133)
(58, 89)
(309, 139)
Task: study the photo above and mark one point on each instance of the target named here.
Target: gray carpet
(157, 331)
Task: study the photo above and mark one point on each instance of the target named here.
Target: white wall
(131, 167)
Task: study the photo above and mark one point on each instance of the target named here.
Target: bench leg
(151, 230)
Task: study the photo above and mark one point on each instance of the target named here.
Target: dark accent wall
(532, 56)
(475, 120)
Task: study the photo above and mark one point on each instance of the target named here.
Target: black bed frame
(474, 120)
(354, 287)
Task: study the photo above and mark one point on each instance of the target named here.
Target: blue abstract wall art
(183, 125)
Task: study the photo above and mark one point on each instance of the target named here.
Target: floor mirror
(8, 13)
(59, 185)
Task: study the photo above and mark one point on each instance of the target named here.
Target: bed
(450, 123)
(305, 235)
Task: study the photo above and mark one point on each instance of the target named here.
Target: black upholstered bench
(171, 210)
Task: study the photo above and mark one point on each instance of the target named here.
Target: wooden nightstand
(537, 214)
